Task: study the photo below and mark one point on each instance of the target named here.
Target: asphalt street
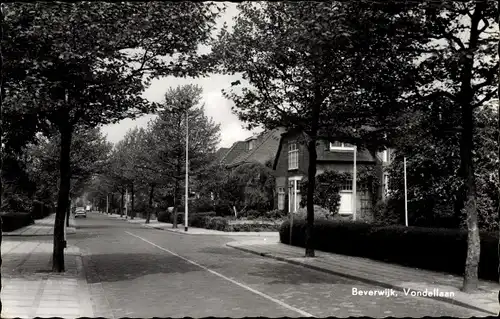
(140, 272)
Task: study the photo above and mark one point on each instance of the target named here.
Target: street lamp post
(187, 174)
(354, 176)
(406, 193)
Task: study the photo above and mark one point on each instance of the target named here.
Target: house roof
(265, 147)
(362, 155)
(236, 149)
(220, 153)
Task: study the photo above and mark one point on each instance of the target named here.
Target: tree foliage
(87, 63)
(249, 186)
(305, 67)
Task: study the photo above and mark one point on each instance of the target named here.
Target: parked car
(80, 212)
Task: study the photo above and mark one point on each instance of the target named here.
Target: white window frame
(295, 186)
(342, 147)
(293, 156)
(281, 198)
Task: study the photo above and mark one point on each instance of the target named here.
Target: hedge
(13, 221)
(40, 210)
(435, 249)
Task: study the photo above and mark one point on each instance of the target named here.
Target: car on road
(80, 212)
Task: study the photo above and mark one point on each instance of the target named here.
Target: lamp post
(187, 174)
(354, 177)
(406, 193)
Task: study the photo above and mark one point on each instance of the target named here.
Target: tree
(464, 73)
(89, 153)
(300, 62)
(249, 186)
(86, 61)
(168, 132)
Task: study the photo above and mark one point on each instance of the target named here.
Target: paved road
(140, 272)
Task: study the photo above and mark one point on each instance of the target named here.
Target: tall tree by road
(298, 61)
(169, 133)
(84, 64)
(457, 63)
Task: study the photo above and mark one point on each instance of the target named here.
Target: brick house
(292, 160)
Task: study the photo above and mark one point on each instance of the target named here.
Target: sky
(216, 106)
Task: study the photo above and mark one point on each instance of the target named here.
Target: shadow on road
(121, 267)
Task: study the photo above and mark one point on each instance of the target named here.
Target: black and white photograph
(270, 159)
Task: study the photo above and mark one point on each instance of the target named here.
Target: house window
(281, 198)
(346, 185)
(341, 146)
(250, 145)
(293, 156)
(294, 198)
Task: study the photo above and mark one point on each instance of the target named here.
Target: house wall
(363, 199)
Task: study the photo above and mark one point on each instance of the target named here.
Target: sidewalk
(42, 227)
(153, 223)
(30, 289)
(445, 287)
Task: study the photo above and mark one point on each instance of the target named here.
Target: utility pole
(406, 193)
(187, 173)
(354, 176)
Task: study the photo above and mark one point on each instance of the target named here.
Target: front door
(345, 203)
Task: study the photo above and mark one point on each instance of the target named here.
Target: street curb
(257, 234)
(358, 278)
(84, 287)
(32, 235)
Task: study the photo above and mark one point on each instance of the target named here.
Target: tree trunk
(63, 197)
(151, 192)
(473, 241)
(68, 211)
(311, 176)
(111, 201)
(122, 202)
(470, 282)
(132, 207)
(176, 203)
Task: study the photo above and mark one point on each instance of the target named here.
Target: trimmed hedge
(13, 221)
(254, 227)
(40, 210)
(435, 249)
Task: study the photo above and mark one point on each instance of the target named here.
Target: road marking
(301, 312)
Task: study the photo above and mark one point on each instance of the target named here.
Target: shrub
(217, 223)
(222, 209)
(275, 214)
(428, 248)
(200, 220)
(385, 215)
(13, 221)
(40, 210)
(202, 204)
(254, 227)
(319, 213)
(252, 214)
(166, 217)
